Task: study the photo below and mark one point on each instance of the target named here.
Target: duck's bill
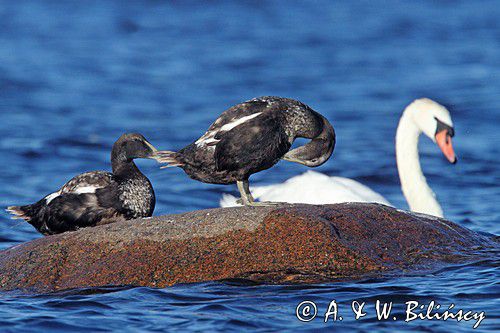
(443, 140)
(152, 152)
(152, 148)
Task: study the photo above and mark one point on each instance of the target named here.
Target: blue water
(76, 75)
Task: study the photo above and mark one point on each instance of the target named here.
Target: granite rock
(282, 244)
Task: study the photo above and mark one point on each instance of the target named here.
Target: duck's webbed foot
(247, 198)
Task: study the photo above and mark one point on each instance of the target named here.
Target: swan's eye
(442, 126)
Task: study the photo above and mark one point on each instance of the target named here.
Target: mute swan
(421, 116)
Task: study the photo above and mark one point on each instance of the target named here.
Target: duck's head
(131, 146)
(434, 121)
(318, 150)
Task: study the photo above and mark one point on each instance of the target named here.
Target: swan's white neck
(417, 192)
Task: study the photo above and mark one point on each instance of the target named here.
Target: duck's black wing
(83, 201)
(239, 111)
(255, 144)
(71, 211)
(90, 181)
(232, 117)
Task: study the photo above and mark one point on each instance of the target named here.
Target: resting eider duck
(251, 137)
(97, 197)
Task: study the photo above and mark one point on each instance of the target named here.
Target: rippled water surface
(75, 75)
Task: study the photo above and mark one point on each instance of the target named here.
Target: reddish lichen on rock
(283, 244)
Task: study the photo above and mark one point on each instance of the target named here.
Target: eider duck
(253, 136)
(97, 197)
(421, 116)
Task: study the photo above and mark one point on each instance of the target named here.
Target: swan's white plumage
(312, 187)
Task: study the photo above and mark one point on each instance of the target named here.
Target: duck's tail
(20, 212)
(171, 158)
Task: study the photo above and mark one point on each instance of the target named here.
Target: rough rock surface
(283, 244)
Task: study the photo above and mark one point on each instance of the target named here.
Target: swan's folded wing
(350, 190)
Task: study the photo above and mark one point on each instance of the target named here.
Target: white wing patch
(85, 189)
(237, 122)
(51, 197)
(209, 137)
(78, 190)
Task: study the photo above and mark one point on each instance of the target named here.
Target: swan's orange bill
(443, 140)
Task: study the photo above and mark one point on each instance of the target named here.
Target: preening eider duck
(97, 197)
(421, 116)
(251, 137)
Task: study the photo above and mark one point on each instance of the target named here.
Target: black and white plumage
(97, 197)
(251, 137)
